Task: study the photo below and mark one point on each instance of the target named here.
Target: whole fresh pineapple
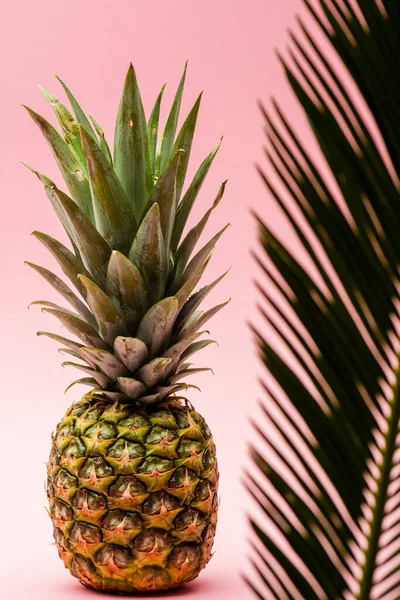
(132, 474)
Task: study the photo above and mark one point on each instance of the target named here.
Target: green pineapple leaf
(50, 304)
(49, 184)
(193, 326)
(109, 321)
(186, 248)
(78, 327)
(71, 265)
(164, 194)
(189, 198)
(69, 127)
(326, 455)
(84, 381)
(101, 380)
(194, 301)
(68, 164)
(199, 259)
(114, 216)
(164, 391)
(152, 128)
(65, 292)
(102, 140)
(175, 352)
(78, 112)
(150, 400)
(125, 286)
(171, 125)
(132, 161)
(131, 387)
(132, 352)
(186, 372)
(149, 255)
(184, 292)
(155, 327)
(103, 360)
(195, 347)
(71, 344)
(154, 372)
(184, 141)
(94, 250)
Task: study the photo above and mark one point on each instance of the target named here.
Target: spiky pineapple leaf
(131, 387)
(132, 352)
(184, 141)
(154, 372)
(71, 265)
(150, 400)
(71, 344)
(170, 128)
(102, 140)
(84, 381)
(104, 360)
(165, 391)
(78, 112)
(126, 287)
(195, 347)
(164, 194)
(192, 327)
(156, 326)
(185, 373)
(327, 458)
(149, 255)
(194, 301)
(94, 250)
(49, 184)
(109, 322)
(50, 304)
(201, 257)
(114, 215)
(71, 352)
(191, 282)
(68, 164)
(78, 327)
(100, 394)
(132, 161)
(189, 198)
(186, 248)
(176, 350)
(65, 291)
(69, 127)
(101, 379)
(152, 128)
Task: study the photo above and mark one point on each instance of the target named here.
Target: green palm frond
(327, 464)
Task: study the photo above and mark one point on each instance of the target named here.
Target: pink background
(89, 44)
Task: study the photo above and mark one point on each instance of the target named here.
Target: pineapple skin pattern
(133, 495)
(132, 475)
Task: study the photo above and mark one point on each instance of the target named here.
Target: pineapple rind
(133, 494)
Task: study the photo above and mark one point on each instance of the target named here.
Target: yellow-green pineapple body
(133, 494)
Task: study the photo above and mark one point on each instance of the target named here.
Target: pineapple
(132, 474)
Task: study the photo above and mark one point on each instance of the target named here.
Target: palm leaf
(326, 462)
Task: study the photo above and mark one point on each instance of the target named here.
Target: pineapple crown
(135, 313)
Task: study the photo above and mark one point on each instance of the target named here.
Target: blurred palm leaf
(327, 464)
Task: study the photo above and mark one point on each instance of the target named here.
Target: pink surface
(89, 44)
